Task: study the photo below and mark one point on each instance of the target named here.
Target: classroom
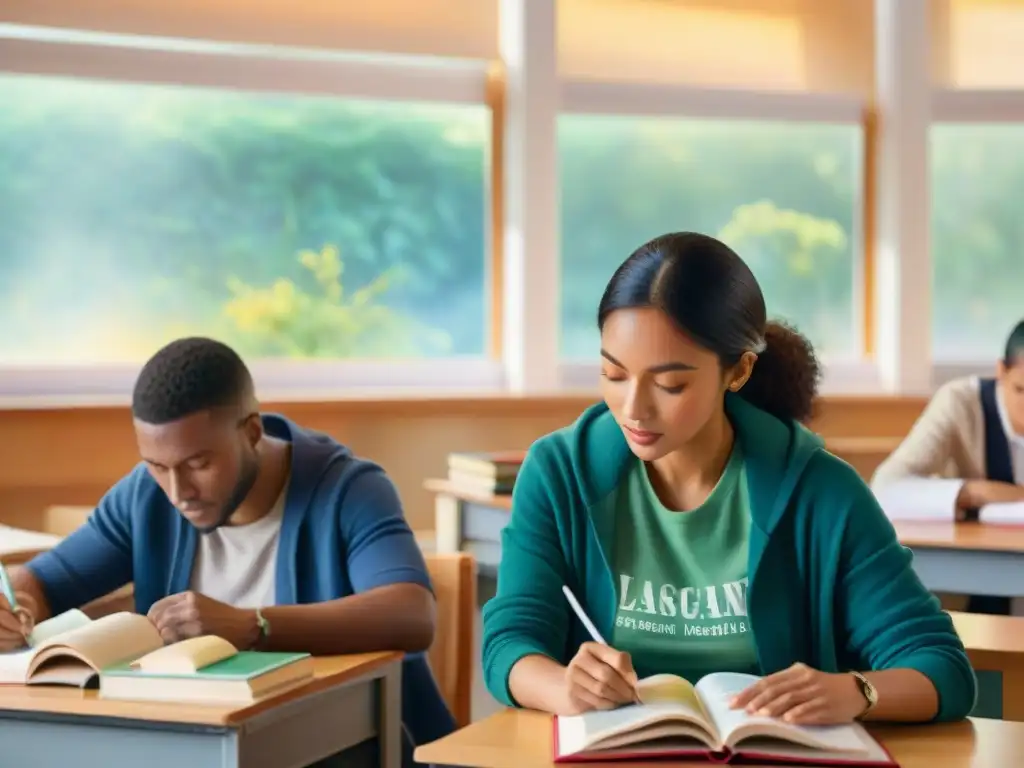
(384, 238)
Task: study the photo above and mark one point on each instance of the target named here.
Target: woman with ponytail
(703, 528)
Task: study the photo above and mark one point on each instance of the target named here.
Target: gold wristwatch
(868, 691)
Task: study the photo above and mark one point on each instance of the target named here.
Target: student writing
(966, 451)
(246, 526)
(967, 448)
(704, 529)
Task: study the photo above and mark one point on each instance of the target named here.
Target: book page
(58, 625)
(735, 725)
(14, 667)
(185, 657)
(104, 642)
(670, 706)
(669, 689)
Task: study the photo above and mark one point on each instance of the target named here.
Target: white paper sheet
(1006, 513)
(920, 498)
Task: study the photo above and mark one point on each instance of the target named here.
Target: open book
(70, 649)
(125, 653)
(677, 719)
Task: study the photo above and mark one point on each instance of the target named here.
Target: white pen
(8, 588)
(582, 616)
(594, 634)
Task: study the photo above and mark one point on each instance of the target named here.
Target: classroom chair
(19, 557)
(63, 520)
(451, 656)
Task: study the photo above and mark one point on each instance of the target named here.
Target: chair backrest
(63, 520)
(451, 656)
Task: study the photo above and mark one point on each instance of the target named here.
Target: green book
(238, 679)
(244, 665)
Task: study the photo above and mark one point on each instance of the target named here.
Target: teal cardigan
(829, 583)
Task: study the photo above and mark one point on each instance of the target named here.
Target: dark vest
(998, 464)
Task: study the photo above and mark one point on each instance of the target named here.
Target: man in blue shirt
(246, 526)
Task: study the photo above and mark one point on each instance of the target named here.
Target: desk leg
(389, 729)
(1013, 691)
(447, 524)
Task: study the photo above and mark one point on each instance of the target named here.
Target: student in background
(246, 526)
(965, 451)
(704, 529)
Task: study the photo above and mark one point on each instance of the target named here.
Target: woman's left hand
(804, 696)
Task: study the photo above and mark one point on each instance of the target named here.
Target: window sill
(449, 386)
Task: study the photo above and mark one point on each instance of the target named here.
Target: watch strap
(867, 690)
(263, 627)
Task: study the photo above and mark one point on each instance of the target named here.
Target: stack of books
(487, 474)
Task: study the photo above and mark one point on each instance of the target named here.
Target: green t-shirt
(682, 578)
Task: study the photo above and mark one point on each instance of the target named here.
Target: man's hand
(190, 614)
(16, 624)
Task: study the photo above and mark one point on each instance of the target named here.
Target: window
(785, 195)
(976, 239)
(289, 226)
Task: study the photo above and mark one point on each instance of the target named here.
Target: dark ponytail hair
(710, 293)
(1014, 351)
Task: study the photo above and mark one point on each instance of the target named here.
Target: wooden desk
(995, 646)
(351, 700)
(19, 546)
(967, 558)
(520, 739)
(964, 558)
(469, 522)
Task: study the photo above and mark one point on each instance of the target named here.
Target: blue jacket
(343, 531)
(830, 585)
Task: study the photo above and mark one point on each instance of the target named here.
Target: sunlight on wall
(608, 39)
(985, 49)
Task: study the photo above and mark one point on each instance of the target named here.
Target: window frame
(950, 106)
(166, 61)
(842, 375)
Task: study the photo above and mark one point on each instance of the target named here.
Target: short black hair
(187, 376)
(710, 293)
(1014, 352)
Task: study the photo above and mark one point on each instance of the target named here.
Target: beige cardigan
(946, 445)
(946, 441)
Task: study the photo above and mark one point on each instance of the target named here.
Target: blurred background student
(964, 457)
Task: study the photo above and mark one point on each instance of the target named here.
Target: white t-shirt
(236, 564)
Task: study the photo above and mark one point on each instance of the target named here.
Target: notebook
(70, 649)
(206, 670)
(677, 719)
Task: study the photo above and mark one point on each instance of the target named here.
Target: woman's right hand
(16, 624)
(600, 677)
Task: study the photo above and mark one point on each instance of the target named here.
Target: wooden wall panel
(71, 456)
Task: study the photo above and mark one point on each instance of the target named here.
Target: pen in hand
(591, 629)
(12, 600)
